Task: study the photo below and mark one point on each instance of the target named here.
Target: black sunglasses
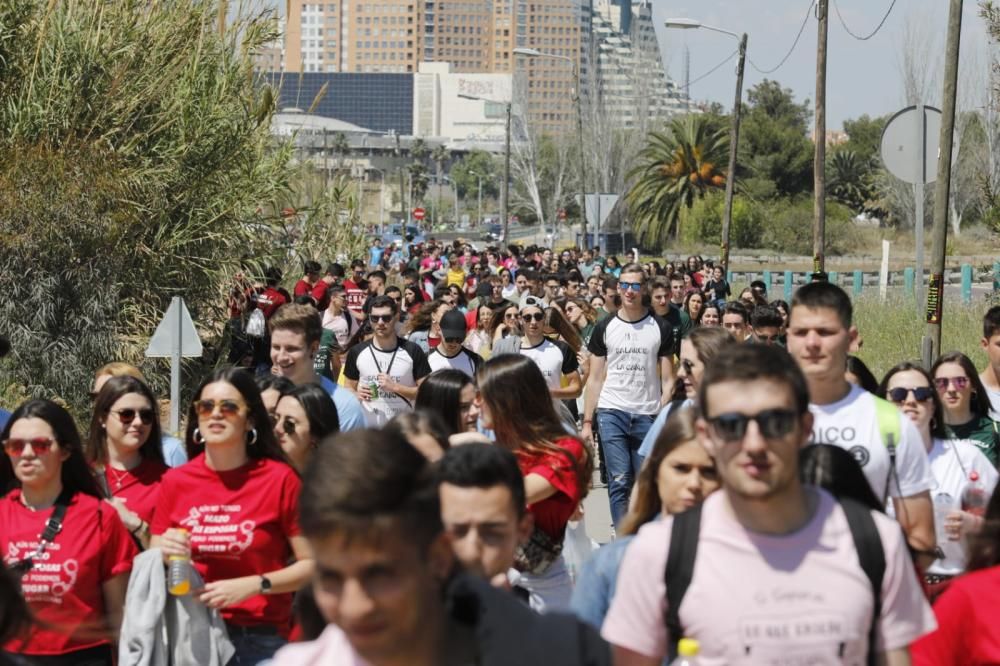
(383, 318)
(128, 415)
(773, 423)
(533, 316)
(920, 393)
(288, 427)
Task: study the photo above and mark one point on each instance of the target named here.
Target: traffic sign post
(419, 214)
(175, 338)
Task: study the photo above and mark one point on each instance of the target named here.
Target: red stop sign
(418, 213)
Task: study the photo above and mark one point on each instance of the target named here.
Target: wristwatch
(265, 585)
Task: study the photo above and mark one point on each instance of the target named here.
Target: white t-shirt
(994, 397)
(464, 360)
(343, 326)
(756, 599)
(406, 364)
(952, 460)
(554, 359)
(852, 424)
(632, 351)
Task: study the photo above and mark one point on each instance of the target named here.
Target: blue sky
(862, 77)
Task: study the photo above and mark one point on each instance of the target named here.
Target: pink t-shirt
(332, 647)
(757, 599)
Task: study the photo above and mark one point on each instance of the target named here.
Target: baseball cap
(453, 325)
(529, 301)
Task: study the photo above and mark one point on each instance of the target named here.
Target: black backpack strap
(680, 568)
(871, 556)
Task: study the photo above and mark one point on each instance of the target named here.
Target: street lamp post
(479, 178)
(505, 185)
(734, 129)
(535, 53)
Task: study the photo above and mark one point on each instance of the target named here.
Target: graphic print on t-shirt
(406, 364)
(632, 350)
(50, 577)
(216, 529)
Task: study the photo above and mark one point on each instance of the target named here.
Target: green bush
(703, 222)
(788, 226)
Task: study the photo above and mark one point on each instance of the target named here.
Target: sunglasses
(380, 318)
(205, 408)
(453, 340)
(288, 427)
(960, 383)
(534, 316)
(126, 416)
(920, 393)
(39, 445)
(772, 423)
(634, 286)
(511, 315)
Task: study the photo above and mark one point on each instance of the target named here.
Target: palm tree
(847, 179)
(677, 165)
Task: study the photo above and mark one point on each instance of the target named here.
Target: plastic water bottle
(179, 573)
(974, 496)
(687, 652)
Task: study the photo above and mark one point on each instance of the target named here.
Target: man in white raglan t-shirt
(819, 336)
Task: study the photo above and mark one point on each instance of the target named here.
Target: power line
(711, 71)
(873, 32)
(794, 44)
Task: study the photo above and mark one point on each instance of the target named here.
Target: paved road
(597, 513)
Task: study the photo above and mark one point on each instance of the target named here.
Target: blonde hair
(119, 369)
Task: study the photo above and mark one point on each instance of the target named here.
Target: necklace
(117, 478)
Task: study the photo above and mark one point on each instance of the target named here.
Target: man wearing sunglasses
(765, 325)
(386, 371)
(776, 572)
(449, 353)
(820, 334)
(631, 376)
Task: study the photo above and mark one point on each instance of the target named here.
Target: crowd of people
(387, 470)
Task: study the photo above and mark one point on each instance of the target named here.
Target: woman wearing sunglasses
(966, 403)
(123, 449)
(234, 511)
(952, 461)
(74, 578)
(304, 417)
(506, 321)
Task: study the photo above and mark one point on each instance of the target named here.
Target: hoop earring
(253, 437)
(196, 436)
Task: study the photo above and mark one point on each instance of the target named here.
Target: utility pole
(505, 186)
(583, 159)
(819, 134)
(734, 139)
(931, 346)
(402, 191)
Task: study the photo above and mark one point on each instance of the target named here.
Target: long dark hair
(678, 430)
(557, 321)
(75, 472)
(96, 446)
(266, 446)
(441, 393)
(937, 422)
(319, 408)
(524, 418)
(980, 401)
(833, 469)
(984, 551)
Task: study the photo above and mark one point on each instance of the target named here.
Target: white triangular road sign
(175, 333)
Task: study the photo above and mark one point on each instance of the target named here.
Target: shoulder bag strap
(871, 556)
(680, 568)
(53, 526)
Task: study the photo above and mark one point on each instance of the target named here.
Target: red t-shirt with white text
(139, 488)
(553, 512)
(239, 522)
(64, 587)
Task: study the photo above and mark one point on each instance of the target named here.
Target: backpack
(684, 548)
(256, 324)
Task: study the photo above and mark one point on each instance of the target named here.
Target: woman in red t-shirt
(234, 510)
(517, 406)
(75, 581)
(123, 448)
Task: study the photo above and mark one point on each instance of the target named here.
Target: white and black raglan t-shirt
(406, 363)
(466, 361)
(632, 350)
(852, 424)
(554, 358)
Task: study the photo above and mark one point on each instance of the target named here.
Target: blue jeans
(621, 435)
(252, 648)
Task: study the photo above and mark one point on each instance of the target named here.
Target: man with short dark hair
(677, 290)
(450, 353)
(550, 288)
(765, 325)
(990, 375)
(386, 371)
(776, 572)
(305, 284)
(894, 460)
(612, 301)
(735, 318)
(387, 582)
(483, 508)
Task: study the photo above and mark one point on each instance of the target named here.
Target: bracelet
(141, 527)
(588, 421)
